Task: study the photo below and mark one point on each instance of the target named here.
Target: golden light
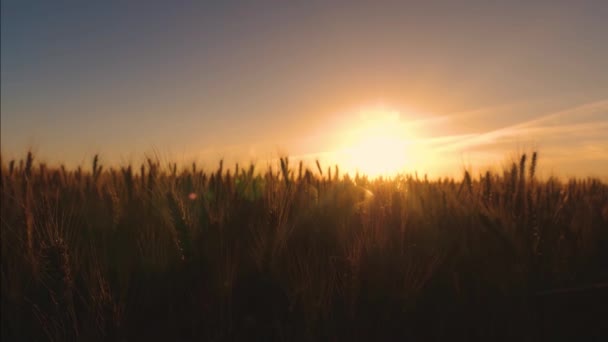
(379, 144)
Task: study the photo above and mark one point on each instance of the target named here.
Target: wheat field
(157, 252)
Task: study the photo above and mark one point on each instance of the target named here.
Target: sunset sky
(432, 86)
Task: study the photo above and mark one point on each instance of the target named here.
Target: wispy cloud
(571, 120)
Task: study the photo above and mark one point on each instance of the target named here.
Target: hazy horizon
(426, 86)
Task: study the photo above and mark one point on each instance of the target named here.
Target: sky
(432, 86)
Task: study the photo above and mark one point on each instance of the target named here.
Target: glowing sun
(378, 144)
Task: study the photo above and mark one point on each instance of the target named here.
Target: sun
(378, 144)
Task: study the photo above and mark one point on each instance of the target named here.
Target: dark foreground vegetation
(159, 253)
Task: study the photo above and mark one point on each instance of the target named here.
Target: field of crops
(156, 252)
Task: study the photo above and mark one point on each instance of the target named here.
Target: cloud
(574, 120)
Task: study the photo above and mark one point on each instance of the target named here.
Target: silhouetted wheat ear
(42, 170)
(28, 164)
(513, 179)
(152, 173)
(64, 174)
(128, 178)
(28, 215)
(142, 173)
(533, 165)
(114, 206)
(174, 170)
(11, 168)
(59, 280)
(522, 168)
(319, 167)
(1, 173)
(285, 169)
(520, 207)
(251, 171)
(57, 259)
(466, 183)
(78, 175)
(300, 170)
(94, 169)
(308, 176)
(114, 178)
(220, 169)
(182, 238)
(488, 188)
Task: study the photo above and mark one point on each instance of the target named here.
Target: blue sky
(187, 80)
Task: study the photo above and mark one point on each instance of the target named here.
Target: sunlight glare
(379, 144)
